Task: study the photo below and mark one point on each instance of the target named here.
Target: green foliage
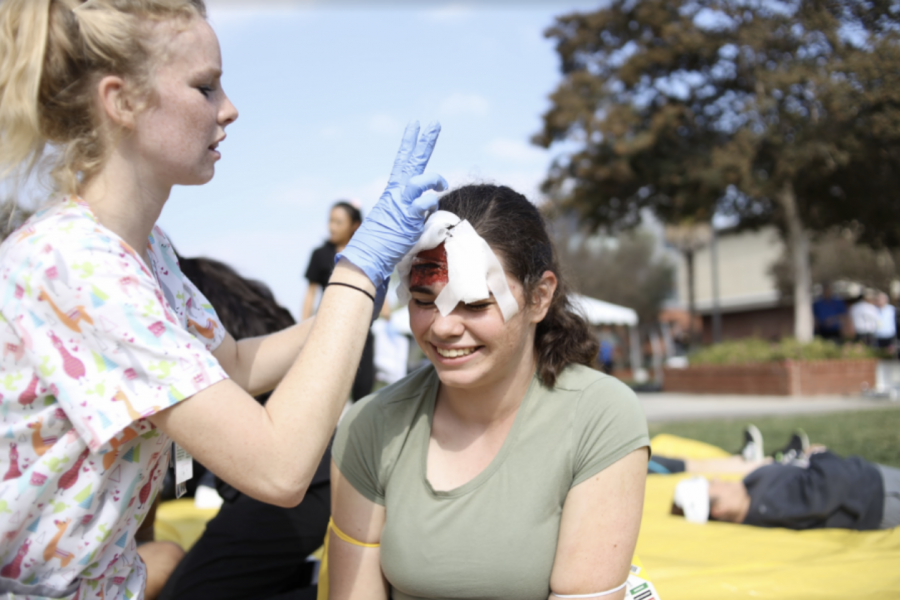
(625, 270)
(871, 434)
(688, 108)
(755, 350)
(842, 254)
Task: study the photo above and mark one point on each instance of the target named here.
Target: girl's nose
(447, 327)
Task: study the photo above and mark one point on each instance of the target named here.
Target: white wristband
(597, 595)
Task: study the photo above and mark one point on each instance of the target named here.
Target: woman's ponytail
(24, 27)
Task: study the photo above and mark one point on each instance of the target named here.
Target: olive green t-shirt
(495, 536)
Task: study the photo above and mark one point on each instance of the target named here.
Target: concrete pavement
(661, 407)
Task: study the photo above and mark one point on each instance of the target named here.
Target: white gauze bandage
(473, 270)
(692, 496)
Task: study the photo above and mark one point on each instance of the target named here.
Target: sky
(324, 92)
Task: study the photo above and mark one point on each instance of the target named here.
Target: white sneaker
(753, 444)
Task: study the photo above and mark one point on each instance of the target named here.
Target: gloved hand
(380, 295)
(393, 226)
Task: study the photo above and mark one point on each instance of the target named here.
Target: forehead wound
(429, 268)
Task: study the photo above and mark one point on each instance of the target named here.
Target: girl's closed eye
(478, 306)
(424, 303)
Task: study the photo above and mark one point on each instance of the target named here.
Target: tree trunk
(692, 301)
(798, 244)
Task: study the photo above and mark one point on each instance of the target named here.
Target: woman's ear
(116, 102)
(543, 296)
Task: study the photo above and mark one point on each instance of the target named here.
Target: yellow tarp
(711, 561)
(722, 560)
(180, 522)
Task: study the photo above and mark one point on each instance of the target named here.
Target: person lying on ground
(750, 457)
(813, 489)
(507, 469)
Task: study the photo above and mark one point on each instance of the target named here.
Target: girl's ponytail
(563, 338)
(24, 27)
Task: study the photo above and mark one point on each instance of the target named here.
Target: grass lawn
(871, 434)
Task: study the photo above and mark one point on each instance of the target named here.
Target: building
(749, 301)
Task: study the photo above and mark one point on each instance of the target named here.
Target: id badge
(638, 588)
(184, 468)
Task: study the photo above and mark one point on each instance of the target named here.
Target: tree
(768, 111)
(839, 255)
(688, 238)
(625, 270)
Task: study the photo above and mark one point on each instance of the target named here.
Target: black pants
(665, 466)
(833, 335)
(365, 374)
(255, 551)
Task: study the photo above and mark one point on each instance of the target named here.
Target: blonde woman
(109, 351)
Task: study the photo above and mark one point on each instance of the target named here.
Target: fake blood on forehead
(429, 268)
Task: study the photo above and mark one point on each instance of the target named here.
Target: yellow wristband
(347, 538)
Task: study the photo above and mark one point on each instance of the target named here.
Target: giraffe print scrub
(92, 341)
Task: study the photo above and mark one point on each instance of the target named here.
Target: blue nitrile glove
(380, 295)
(394, 225)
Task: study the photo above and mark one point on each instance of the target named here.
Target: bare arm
(258, 364)
(271, 452)
(309, 301)
(599, 529)
(354, 571)
(732, 464)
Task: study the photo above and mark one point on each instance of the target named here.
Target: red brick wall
(763, 379)
(789, 378)
(814, 378)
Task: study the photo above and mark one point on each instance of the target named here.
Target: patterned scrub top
(92, 343)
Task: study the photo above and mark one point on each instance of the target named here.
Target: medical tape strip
(474, 271)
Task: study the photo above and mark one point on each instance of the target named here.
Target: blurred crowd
(869, 318)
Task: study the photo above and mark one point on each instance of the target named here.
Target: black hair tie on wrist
(352, 287)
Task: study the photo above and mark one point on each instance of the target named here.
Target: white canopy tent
(597, 312)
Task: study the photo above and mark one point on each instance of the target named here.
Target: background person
(813, 490)
(865, 318)
(391, 350)
(829, 314)
(343, 222)
(886, 332)
(509, 468)
(608, 350)
(110, 351)
(251, 549)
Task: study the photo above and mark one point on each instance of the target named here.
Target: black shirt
(321, 264)
(846, 493)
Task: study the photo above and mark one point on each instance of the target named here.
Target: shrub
(755, 350)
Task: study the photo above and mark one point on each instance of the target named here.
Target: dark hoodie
(846, 493)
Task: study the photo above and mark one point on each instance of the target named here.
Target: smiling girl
(109, 351)
(508, 468)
